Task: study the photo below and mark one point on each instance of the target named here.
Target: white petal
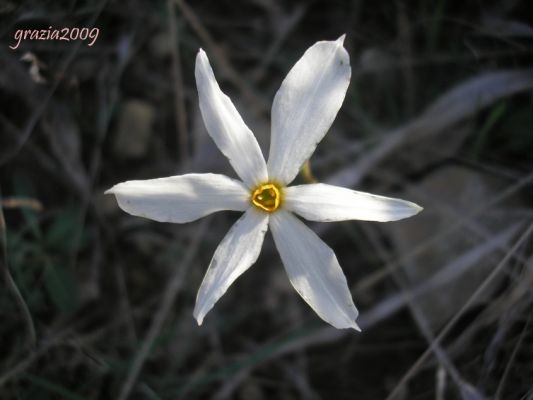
(181, 198)
(313, 270)
(235, 254)
(225, 125)
(326, 203)
(305, 106)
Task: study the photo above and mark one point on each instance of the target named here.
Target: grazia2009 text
(56, 34)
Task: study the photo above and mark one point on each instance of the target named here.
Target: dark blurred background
(97, 304)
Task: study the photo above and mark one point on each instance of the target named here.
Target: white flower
(304, 108)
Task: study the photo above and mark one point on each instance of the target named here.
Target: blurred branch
(258, 103)
(41, 158)
(181, 115)
(172, 290)
(285, 24)
(11, 285)
(458, 103)
(68, 335)
(21, 202)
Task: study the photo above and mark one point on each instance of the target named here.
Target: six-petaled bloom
(303, 110)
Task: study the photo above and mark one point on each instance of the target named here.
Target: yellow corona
(267, 197)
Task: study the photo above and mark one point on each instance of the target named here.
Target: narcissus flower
(303, 110)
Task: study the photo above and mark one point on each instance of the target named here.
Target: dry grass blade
(505, 375)
(409, 297)
(458, 266)
(454, 320)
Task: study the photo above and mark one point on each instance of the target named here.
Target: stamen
(267, 197)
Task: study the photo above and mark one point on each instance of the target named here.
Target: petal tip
(199, 318)
(417, 208)
(115, 189)
(340, 40)
(111, 190)
(198, 56)
(412, 209)
(201, 56)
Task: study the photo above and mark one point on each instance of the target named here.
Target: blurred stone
(134, 129)
(250, 391)
(502, 27)
(63, 134)
(35, 67)
(375, 60)
(160, 45)
(7, 7)
(437, 147)
(460, 191)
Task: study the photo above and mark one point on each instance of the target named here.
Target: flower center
(267, 197)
